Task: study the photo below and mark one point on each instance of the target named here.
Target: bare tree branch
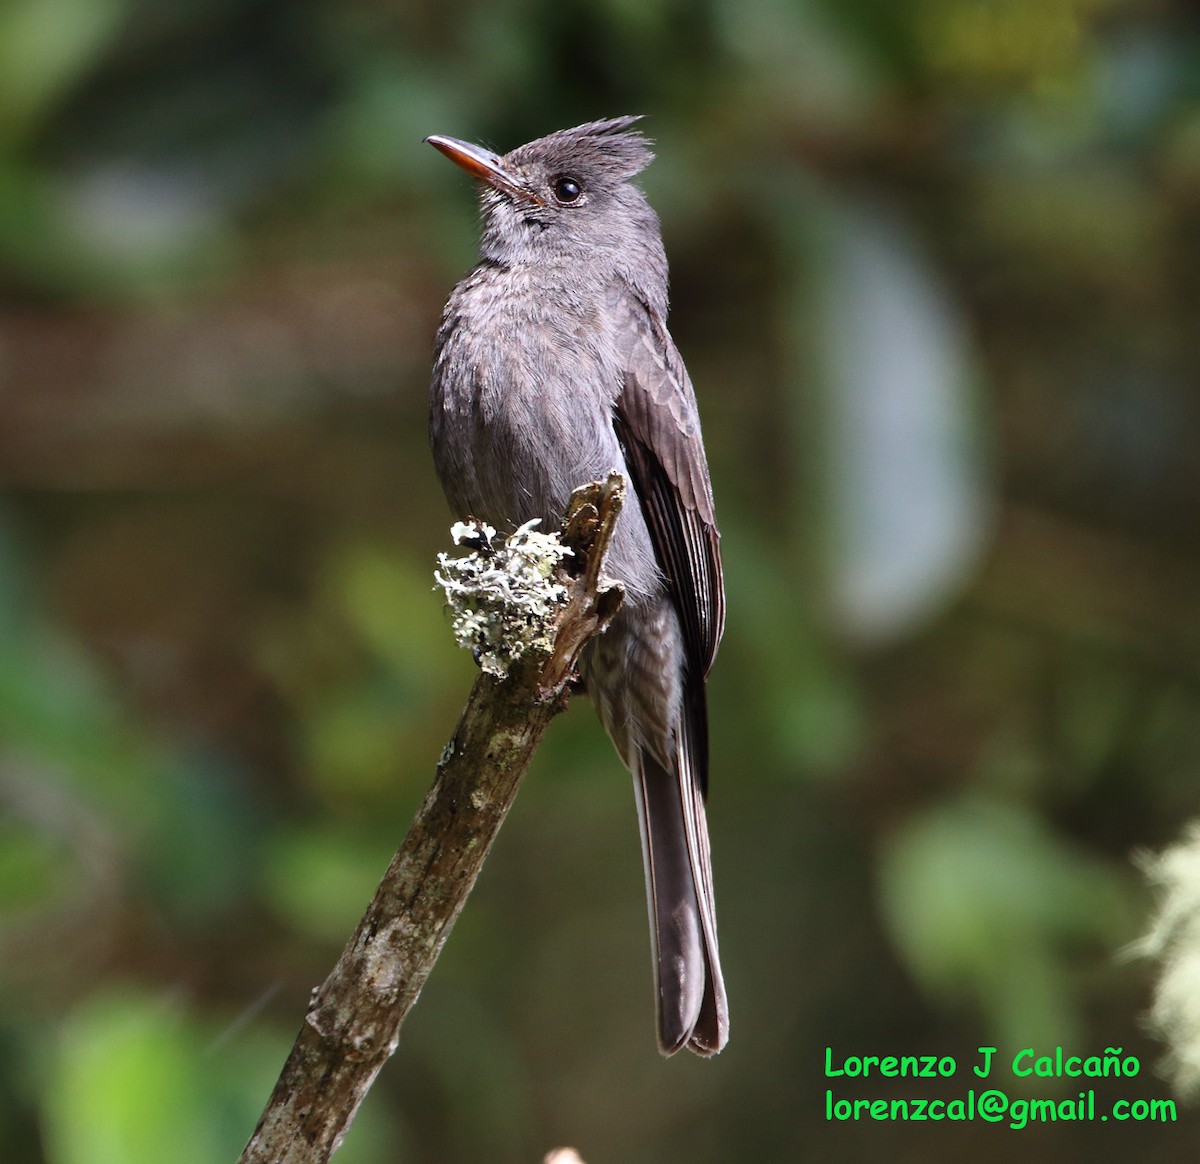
(353, 1021)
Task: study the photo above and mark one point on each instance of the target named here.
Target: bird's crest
(610, 147)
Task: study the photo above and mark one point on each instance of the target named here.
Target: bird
(553, 366)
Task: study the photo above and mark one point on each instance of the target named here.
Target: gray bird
(553, 367)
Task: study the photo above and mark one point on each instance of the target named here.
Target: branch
(353, 1020)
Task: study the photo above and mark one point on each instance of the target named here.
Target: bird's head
(567, 195)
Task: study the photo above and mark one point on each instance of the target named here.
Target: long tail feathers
(692, 1010)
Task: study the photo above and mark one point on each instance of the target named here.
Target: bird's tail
(692, 1010)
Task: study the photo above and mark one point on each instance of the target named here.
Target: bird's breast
(523, 390)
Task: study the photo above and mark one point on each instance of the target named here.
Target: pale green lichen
(502, 595)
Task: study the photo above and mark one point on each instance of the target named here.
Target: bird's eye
(567, 189)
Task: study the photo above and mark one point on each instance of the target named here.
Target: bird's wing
(658, 425)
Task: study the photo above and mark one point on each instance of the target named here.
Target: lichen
(503, 594)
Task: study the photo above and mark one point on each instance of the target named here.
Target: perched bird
(553, 367)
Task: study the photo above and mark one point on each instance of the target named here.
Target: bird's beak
(482, 164)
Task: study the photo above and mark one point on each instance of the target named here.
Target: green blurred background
(935, 276)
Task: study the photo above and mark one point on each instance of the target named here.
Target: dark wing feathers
(659, 428)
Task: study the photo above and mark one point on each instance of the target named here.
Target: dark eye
(567, 189)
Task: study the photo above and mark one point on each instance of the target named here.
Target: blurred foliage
(934, 276)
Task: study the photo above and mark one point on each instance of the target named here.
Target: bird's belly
(527, 428)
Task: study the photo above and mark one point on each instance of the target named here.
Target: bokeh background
(935, 274)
